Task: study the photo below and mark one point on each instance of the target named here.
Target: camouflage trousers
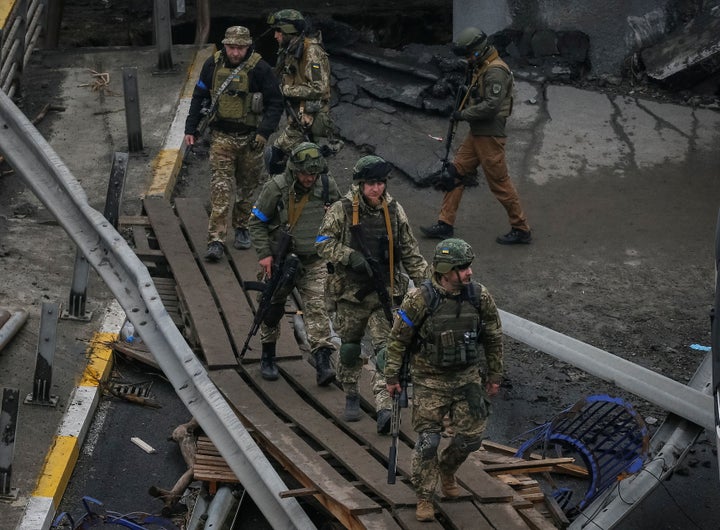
(352, 321)
(234, 165)
(322, 132)
(311, 286)
(467, 409)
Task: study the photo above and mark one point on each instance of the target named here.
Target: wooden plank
(535, 520)
(406, 518)
(333, 404)
(309, 469)
(234, 304)
(569, 469)
(206, 321)
(325, 432)
(503, 515)
(528, 466)
(134, 352)
(464, 515)
(378, 521)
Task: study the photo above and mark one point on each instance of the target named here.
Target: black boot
(352, 407)
(325, 372)
(268, 368)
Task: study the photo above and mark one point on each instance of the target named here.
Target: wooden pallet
(210, 466)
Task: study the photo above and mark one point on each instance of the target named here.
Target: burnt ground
(622, 263)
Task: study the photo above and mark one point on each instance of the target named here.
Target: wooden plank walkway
(298, 424)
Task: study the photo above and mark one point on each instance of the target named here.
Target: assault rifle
(400, 401)
(443, 180)
(378, 278)
(272, 301)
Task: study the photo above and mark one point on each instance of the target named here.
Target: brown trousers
(488, 152)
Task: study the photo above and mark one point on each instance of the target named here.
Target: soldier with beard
(246, 106)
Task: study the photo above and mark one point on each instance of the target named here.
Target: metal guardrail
(34, 160)
(19, 32)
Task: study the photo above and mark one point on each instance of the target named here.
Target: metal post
(115, 188)
(42, 380)
(76, 309)
(163, 34)
(8, 427)
(132, 109)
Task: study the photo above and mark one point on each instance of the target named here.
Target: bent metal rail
(127, 278)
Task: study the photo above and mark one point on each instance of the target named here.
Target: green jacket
(270, 213)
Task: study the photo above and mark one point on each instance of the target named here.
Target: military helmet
(307, 158)
(371, 168)
(288, 21)
(470, 40)
(452, 254)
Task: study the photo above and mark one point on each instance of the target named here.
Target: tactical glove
(457, 115)
(358, 263)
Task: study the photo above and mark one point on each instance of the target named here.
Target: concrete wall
(613, 26)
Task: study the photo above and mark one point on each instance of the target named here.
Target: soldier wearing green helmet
(441, 326)
(295, 201)
(303, 69)
(486, 107)
(368, 219)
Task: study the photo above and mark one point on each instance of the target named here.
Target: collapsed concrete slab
(688, 56)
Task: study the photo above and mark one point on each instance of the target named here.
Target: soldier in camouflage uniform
(304, 72)
(296, 201)
(441, 325)
(369, 207)
(248, 106)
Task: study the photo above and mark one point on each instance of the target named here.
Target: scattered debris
(143, 445)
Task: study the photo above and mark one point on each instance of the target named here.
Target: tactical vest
(235, 103)
(376, 238)
(451, 332)
(493, 62)
(306, 228)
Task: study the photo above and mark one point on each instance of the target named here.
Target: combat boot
(515, 237)
(352, 407)
(242, 239)
(439, 230)
(325, 372)
(424, 511)
(384, 419)
(268, 368)
(449, 485)
(215, 251)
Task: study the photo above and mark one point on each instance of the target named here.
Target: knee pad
(427, 444)
(350, 353)
(467, 444)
